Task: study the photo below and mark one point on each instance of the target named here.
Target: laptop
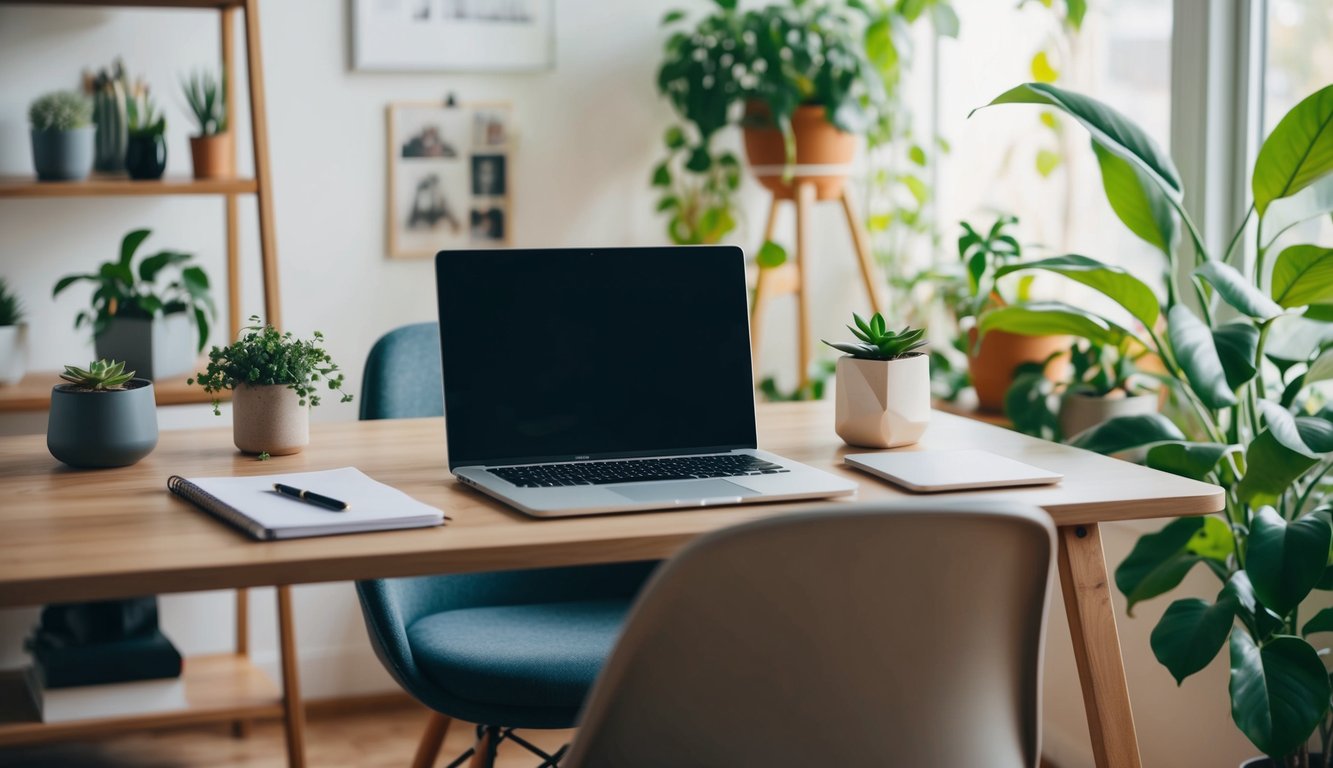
(590, 381)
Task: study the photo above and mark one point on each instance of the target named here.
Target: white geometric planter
(882, 403)
(13, 353)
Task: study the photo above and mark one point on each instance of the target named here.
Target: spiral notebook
(251, 504)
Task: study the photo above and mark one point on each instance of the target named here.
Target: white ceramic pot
(882, 403)
(269, 419)
(1079, 412)
(13, 353)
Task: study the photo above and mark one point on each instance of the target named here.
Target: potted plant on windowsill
(994, 355)
(156, 331)
(146, 150)
(13, 337)
(1251, 417)
(211, 151)
(62, 136)
(883, 385)
(101, 417)
(275, 379)
(1103, 384)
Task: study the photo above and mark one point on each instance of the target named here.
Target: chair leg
(488, 741)
(431, 741)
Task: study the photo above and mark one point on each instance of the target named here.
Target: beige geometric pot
(269, 419)
(882, 403)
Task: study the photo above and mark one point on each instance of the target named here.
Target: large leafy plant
(124, 290)
(1251, 420)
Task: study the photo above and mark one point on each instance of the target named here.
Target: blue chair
(508, 650)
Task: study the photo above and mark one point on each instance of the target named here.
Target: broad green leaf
(1191, 632)
(672, 17)
(1237, 346)
(662, 176)
(917, 155)
(1159, 561)
(1075, 10)
(1237, 291)
(945, 19)
(1303, 274)
(1322, 367)
(130, 244)
(1196, 354)
(1125, 432)
(1140, 203)
(1313, 201)
(69, 280)
(1112, 281)
(1286, 560)
(1279, 692)
(1282, 424)
(1320, 622)
(1270, 469)
(771, 255)
(1051, 319)
(1041, 68)
(1298, 151)
(1112, 130)
(1027, 402)
(1192, 460)
(1316, 433)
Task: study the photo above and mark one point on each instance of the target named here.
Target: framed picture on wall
(453, 35)
(448, 180)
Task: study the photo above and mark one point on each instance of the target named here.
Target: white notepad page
(372, 505)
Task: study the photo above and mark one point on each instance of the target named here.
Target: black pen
(310, 497)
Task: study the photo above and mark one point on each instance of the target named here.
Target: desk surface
(86, 535)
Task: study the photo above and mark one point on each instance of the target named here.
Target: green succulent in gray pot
(101, 416)
(1245, 342)
(62, 136)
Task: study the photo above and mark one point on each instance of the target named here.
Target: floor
(385, 738)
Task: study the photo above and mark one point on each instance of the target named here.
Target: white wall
(589, 134)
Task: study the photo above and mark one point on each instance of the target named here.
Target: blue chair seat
(537, 655)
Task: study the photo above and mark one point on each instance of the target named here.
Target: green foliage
(263, 356)
(126, 291)
(983, 256)
(815, 388)
(1032, 402)
(100, 375)
(207, 97)
(60, 111)
(876, 342)
(11, 309)
(142, 115)
(1253, 422)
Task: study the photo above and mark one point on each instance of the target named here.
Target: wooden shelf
(120, 186)
(33, 393)
(209, 4)
(217, 689)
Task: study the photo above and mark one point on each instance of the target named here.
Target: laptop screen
(569, 354)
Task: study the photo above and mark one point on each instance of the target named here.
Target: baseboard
(366, 702)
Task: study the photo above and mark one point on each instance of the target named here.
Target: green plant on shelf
(11, 308)
(142, 115)
(263, 356)
(207, 97)
(1096, 369)
(60, 111)
(99, 376)
(875, 341)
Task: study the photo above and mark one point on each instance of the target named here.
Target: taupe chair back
(873, 635)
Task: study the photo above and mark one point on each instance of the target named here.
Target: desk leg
(292, 709)
(1101, 671)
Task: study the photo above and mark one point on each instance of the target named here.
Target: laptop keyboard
(637, 470)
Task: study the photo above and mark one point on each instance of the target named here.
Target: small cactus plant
(876, 342)
(99, 376)
(207, 97)
(110, 89)
(60, 111)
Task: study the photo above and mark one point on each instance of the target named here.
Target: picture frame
(448, 183)
(453, 35)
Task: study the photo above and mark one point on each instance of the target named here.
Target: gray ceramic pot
(63, 155)
(154, 349)
(102, 429)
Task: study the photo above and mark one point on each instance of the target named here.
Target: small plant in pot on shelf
(62, 136)
(13, 336)
(157, 329)
(1104, 383)
(146, 151)
(102, 416)
(883, 385)
(110, 90)
(212, 150)
(275, 379)
(994, 357)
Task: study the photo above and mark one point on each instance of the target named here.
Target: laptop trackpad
(685, 491)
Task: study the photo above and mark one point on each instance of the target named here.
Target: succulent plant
(877, 342)
(60, 111)
(142, 115)
(207, 97)
(11, 309)
(101, 375)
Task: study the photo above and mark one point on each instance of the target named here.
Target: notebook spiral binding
(215, 506)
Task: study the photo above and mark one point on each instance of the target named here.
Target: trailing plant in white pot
(883, 385)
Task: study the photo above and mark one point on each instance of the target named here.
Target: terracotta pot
(882, 403)
(993, 365)
(269, 419)
(1079, 412)
(213, 156)
(819, 144)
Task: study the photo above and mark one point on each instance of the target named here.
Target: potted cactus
(883, 385)
(212, 151)
(110, 90)
(146, 152)
(102, 416)
(156, 330)
(275, 379)
(13, 337)
(62, 136)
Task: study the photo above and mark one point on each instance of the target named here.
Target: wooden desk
(79, 535)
